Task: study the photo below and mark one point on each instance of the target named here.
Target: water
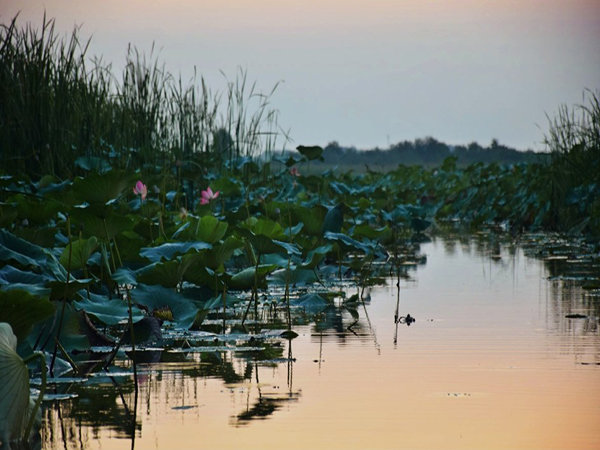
(491, 362)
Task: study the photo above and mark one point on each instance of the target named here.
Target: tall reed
(57, 104)
(573, 139)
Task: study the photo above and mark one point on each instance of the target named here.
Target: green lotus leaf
(347, 241)
(167, 274)
(312, 303)
(262, 244)
(124, 276)
(79, 252)
(312, 218)
(10, 275)
(93, 163)
(108, 311)
(289, 248)
(38, 211)
(275, 259)
(268, 228)
(130, 243)
(25, 254)
(315, 256)
(341, 188)
(311, 152)
(369, 232)
(201, 275)
(101, 188)
(419, 224)
(205, 229)
(246, 278)
(221, 253)
(170, 249)
(293, 231)
(334, 219)
(104, 227)
(8, 215)
(75, 333)
(156, 297)
(37, 290)
(294, 276)
(62, 289)
(227, 186)
(21, 310)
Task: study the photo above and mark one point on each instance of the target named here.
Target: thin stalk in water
(38, 402)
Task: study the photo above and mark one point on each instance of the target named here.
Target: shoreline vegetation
(64, 114)
(125, 204)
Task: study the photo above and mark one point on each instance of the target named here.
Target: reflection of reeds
(57, 104)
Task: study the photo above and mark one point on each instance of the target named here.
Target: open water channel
(492, 361)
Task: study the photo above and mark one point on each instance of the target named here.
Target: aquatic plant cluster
(127, 227)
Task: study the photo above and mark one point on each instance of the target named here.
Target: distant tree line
(427, 152)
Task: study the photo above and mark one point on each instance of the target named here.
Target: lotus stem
(38, 402)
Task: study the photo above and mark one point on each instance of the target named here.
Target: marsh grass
(57, 104)
(573, 139)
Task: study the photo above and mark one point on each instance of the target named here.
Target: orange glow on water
(490, 363)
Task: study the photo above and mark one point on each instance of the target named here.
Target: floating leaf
(312, 303)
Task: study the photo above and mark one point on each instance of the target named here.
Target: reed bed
(58, 105)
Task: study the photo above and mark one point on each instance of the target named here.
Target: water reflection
(491, 325)
(270, 401)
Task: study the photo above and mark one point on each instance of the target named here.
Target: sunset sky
(365, 73)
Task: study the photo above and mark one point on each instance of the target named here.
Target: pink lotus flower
(294, 172)
(208, 195)
(140, 189)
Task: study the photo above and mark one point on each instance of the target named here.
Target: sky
(364, 73)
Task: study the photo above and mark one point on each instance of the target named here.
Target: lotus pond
(257, 305)
(504, 353)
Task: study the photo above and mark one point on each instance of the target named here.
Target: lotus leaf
(108, 311)
(76, 254)
(21, 310)
(311, 152)
(155, 297)
(14, 387)
(170, 249)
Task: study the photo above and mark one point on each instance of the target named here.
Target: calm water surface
(491, 362)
